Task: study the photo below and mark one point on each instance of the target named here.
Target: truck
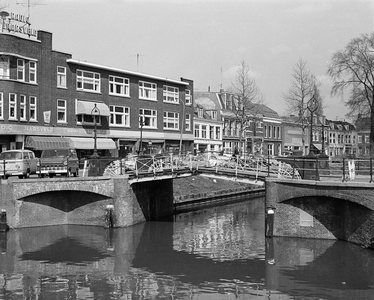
(63, 162)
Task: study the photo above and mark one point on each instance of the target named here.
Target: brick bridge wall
(326, 210)
(83, 201)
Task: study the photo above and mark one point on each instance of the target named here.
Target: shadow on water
(216, 253)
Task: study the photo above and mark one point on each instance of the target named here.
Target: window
(32, 108)
(214, 114)
(218, 133)
(211, 132)
(32, 71)
(266, 131)
(203, 131)
(88, 81)
(148, 117)
(61, 111)
(171, 120)
(119, 86)
(21, 69)
(147, 90)
(270, 149)
(360, 139)
(22, 107)
(188, 97)
(4, 67)
(1, 106)
(197, 130)
(88, 119)
(188, 122)
(119, 116)
(61, 77)
(366, 139)
(12, 107)
(171, 94)
(200, 112)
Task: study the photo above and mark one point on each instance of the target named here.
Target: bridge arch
(331, 210)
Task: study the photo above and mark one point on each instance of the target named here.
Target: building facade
(47, 93)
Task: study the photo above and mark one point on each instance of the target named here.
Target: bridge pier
(322, 210)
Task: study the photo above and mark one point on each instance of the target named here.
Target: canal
(215, 253)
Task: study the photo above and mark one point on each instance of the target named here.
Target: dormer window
(200, 113)
(214, 114)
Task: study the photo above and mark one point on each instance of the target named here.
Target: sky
(206, 40)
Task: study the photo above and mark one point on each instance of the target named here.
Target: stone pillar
(126, 209)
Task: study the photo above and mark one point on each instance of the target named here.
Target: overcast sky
(205, 40)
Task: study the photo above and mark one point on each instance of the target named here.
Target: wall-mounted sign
(16, 23)
(47, 116)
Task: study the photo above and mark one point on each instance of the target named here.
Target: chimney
(209, 89)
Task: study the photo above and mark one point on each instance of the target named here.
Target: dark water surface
(217, 253)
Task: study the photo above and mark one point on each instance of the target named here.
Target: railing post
(268, 165)
(136, 167)
(343, 169)
(293, 168)
(371, 170)
(317, 170)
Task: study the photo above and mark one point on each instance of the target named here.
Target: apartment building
(45, 93)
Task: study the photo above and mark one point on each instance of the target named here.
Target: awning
(88, 143)
(46, 142)
(318, 146)
(86, 107)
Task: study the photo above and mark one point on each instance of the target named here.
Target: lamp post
(141, 124)
(95, 112)
(182, 125)
(312, 106)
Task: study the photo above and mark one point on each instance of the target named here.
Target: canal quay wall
(322, 210)
(97, 201)
(190, 202)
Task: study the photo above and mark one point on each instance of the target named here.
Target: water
(217, 253)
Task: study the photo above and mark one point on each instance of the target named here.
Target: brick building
(47, 94)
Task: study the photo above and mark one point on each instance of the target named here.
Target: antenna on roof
(28, 4)
(137, 61)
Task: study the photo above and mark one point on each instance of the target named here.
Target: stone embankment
(192, 193)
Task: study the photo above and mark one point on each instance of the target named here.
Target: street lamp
(95, 112)
(141, 123)
(312, 106)
(182, 125)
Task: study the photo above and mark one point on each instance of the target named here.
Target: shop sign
(16, 23)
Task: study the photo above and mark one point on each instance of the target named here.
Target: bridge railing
(158, 164)
(325, 168)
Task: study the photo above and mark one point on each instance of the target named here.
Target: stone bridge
(84, 201)
(321, 209)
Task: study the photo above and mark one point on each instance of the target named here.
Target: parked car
(54, 162)
(21, 163)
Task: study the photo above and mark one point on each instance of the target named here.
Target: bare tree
(353, 68)
(303, 87)
(246, 96)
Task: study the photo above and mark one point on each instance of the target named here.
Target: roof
(92, 65)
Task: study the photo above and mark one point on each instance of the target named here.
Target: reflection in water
(217, 253)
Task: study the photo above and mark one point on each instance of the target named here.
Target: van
(21, 163)
(62, 162)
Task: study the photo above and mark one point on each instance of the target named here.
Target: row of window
(120, 86)
(272, 132)
(23, 68)
(27, 108)
(90, 81)
(119, 115)
(202, 131)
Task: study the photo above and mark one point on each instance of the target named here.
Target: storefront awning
(88, 143)
(318, 146)
(46, 142)
(86, 107)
